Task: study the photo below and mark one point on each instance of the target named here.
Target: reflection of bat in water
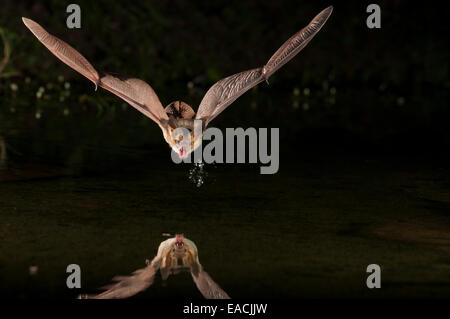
(174, 255)
(179, 114)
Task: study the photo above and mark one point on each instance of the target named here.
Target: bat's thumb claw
(97, 84)
(264, 73)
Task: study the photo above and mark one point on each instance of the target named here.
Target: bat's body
(179, 114)
(174, 255)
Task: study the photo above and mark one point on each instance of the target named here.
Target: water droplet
(198, 174)
(296, 92)
(305, 106)
(306, 91)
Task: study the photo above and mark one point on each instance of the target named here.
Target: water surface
(308, 231)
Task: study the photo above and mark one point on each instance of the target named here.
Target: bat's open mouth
(182, 152)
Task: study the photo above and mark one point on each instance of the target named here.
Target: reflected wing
(127, 286)
(208, 288)
(134, 91)
(227, 90)
(141, 279)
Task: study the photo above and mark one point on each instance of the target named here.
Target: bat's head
(181, 255)
(179, 241)
(183, 140)
(184, 133)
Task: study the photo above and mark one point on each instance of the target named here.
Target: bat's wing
(297, 42)
(136, 92)
(141, 279)
(208, 287)
(227, 90)
(127, 286)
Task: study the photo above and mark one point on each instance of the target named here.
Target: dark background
(391, 84)
(363, 167)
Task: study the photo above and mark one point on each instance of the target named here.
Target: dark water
(99, 190)
(86, 180)
(308, 231)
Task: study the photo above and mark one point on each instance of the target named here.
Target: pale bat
(174, 255)
(179, 114)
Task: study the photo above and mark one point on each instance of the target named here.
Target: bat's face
(181, 255)
(183, 142)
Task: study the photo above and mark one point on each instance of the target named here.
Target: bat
(179, 114)
(175, 255)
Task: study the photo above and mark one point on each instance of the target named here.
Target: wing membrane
(208, 287)
(297, 42)
(127, 286)
(136, 92)
(227, 90)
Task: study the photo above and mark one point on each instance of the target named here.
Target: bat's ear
(180, 109)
